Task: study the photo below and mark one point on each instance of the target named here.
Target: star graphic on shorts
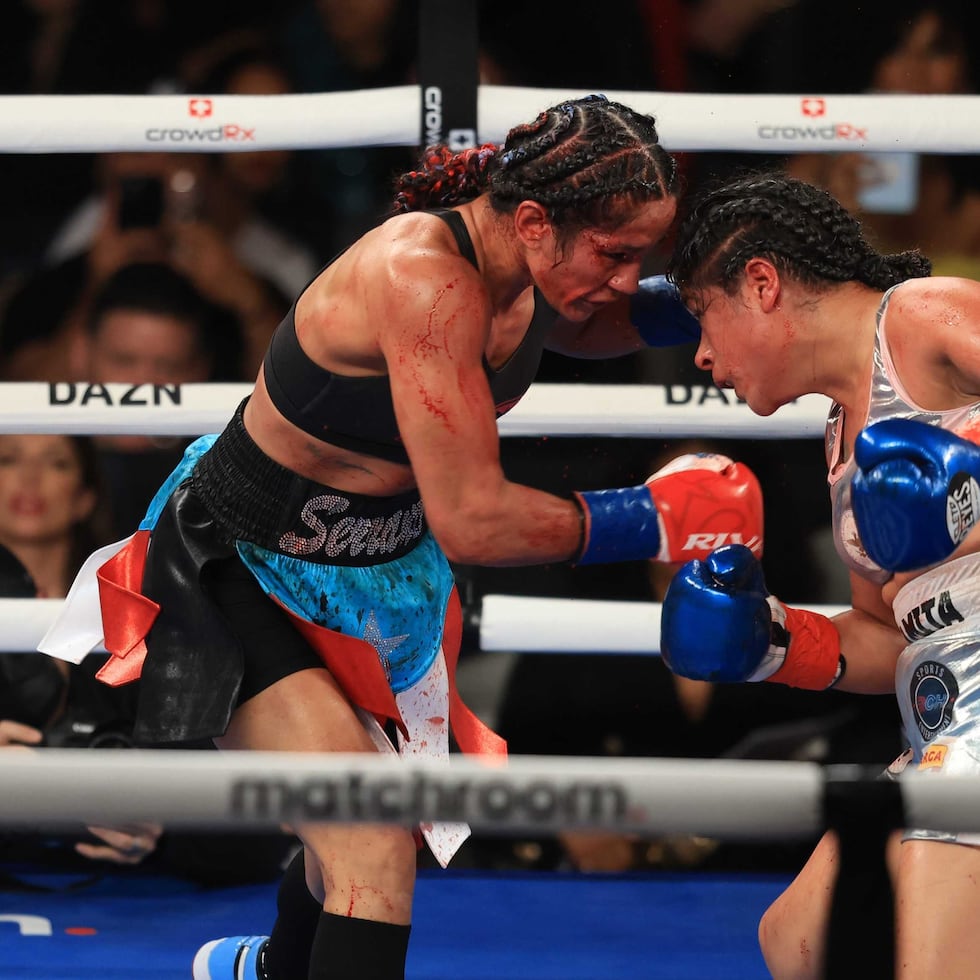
(383, 644)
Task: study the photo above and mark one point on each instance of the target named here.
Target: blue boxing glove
(915, 495)
(716, 623)
(719, 623)
(658, 314)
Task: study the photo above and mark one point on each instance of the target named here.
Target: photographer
(48, 505)
(48, 497)
(150, 209)
(89, 714)
(44, 703)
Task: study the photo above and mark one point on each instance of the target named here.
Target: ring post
(863, 810)
(448, 73)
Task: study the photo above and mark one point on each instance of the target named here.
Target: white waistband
(946, 595)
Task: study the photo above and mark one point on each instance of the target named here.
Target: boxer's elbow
(468, 528)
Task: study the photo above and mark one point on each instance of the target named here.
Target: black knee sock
(358, 949)
(287, 956)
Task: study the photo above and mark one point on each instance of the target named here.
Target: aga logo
(933, 757)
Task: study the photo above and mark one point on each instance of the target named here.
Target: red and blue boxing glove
(916, 493)
(658, 314)
(689, 507)
(719, 623)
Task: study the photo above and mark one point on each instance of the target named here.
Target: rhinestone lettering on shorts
(351, 535)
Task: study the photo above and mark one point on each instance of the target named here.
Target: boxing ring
(675, 926)
(593, 927)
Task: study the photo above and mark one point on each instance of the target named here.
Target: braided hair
(804, 231)
(588, 162)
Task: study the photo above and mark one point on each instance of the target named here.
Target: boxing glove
(915, 494)
(719, 623)
(658, 314)
(692, 505)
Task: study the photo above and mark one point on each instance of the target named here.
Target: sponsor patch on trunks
(933, 691)
(933, 757)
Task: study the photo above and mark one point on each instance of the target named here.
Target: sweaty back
(357, 413)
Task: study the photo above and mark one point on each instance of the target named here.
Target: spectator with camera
(50, 519)
(150, 325)
(220, 219)
(50, 496)
(150, 209)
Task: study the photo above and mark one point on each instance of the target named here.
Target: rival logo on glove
(962, 506)
(665, 518)
(706, 501)
(706, 542)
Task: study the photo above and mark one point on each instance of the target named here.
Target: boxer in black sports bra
(298, 564)
(356, 413)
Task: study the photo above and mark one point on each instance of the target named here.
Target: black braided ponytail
(801, 229)
(444, 178)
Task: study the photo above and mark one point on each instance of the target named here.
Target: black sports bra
(356, 413)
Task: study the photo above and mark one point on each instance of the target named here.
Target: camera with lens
(81, 733)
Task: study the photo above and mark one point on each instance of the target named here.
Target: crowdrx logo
(198, 108)
(823, 132)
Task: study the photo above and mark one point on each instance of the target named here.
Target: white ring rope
(25, 621)
(390, 117)
(667, 411)
(185, 787)
(730, 799)
(542, 625)
(507, 623)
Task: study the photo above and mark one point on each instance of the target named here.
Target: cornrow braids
(588, 162)
(445, 178)
(801, 229)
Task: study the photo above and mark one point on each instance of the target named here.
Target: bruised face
(597, 266)
(744, 349)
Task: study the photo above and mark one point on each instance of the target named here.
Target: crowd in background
(177, 268)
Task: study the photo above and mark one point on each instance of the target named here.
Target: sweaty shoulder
(933, 332)
(936, 300)
(421, 267)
